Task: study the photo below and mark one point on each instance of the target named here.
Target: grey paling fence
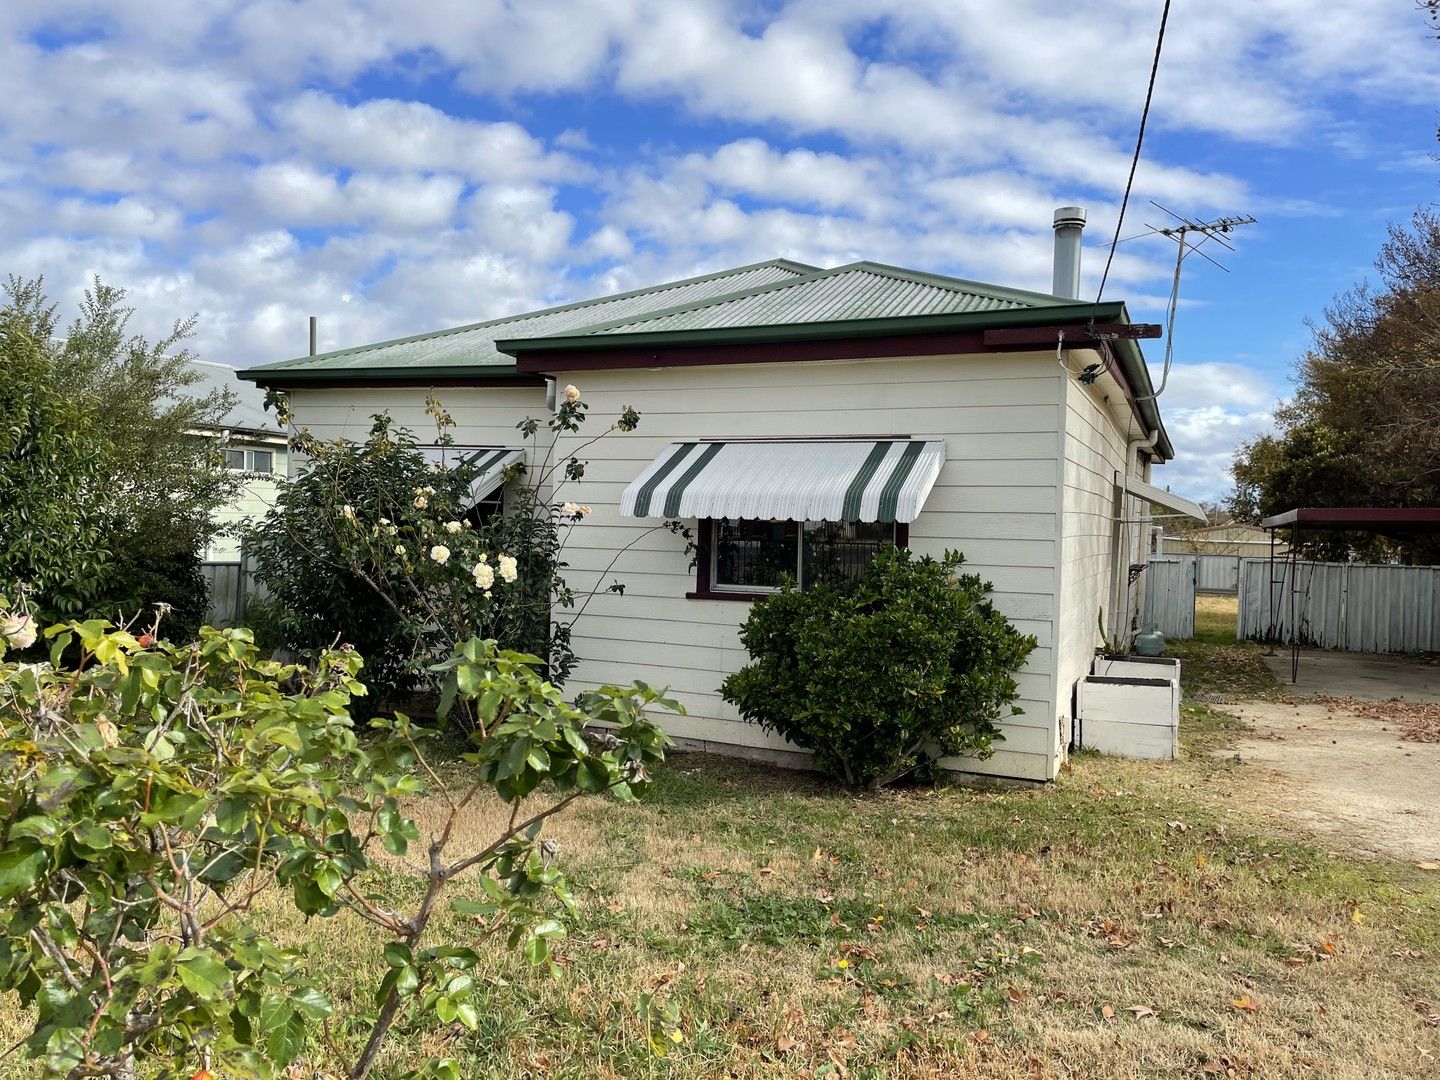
(1213, 573)
(227, 594)
(1359, 607)
(1170, 596)
(231, 584)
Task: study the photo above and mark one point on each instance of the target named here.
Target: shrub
(881, 677)
(108, 492)
(372, 544)
(155, 794)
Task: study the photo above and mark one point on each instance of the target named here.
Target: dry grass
(1131, 920)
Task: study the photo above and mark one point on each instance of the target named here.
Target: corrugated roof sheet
(799, 480)
(858, 291)
(474, 345)
(248, 413)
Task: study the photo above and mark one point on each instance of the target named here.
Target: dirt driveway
(1346, 773)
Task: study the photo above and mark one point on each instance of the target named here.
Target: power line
(1139, 141)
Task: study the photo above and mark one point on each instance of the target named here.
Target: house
(253, 443)
(1226, 538)
(797, 418)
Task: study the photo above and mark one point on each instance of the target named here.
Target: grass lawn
(1130, 920)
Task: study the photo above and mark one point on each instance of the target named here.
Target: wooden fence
(1170, 596)
(230, 585)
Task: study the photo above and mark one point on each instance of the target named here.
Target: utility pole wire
(1139, 141)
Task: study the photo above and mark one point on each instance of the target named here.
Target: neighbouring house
(798, 418)
(1227, 538)
(253, 443)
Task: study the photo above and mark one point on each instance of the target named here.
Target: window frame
(705, 554)
(247, 459)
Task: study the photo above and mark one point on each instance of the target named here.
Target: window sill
(710, 594)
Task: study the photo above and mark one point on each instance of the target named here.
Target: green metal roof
(470, 350)
(776, 300)
(862, 290)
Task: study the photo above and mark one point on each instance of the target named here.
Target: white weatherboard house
(797, 419)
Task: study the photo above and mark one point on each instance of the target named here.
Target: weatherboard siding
(996, 499)
(1094, 452)
(484, 416)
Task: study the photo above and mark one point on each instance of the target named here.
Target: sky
(399, 167)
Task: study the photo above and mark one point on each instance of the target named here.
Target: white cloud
(1209, 410)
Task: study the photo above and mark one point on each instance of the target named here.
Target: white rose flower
(484, 576)
(507, 567)
(393, 530)
(572, 394)
(400, 550)
(453, 527)
(440, 553)
(421, 502)
(585, 510)
(427, 490)
(18, 629)
(347, 512)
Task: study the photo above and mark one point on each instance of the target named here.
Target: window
(748, 557)
(261, 461)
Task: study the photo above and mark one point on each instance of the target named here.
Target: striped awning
(493, 461)
(800, 480)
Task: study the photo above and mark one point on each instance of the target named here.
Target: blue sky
(394, 168)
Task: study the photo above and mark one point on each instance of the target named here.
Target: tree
(1364, 426)
(103, 461)
(160, 802)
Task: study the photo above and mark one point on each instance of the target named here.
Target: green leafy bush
(109, 494)
(158, 801)
(375, 544)
(881, 677)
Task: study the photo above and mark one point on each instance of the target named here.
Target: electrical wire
(1139, 141)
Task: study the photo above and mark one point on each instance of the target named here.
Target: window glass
(836, 551)
(235, 459)
(262, 461)
(755, 554)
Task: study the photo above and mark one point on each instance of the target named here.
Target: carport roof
(1359, 518)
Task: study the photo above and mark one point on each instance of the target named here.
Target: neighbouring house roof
(247, 413)
(470, 350)
(801, 479)
(761, 304)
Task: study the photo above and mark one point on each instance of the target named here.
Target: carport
(1284, 569)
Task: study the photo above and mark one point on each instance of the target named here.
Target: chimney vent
(1069, 224)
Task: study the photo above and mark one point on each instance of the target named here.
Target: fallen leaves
(1244, 1003)
(1417, 721)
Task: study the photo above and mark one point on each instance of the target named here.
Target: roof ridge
(968, 285)
(900, 273)
(817, 274)
(788, 264)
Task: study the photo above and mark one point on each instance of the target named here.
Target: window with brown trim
(746, 559)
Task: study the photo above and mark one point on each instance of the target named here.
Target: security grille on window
(753, 556)
(261, 461)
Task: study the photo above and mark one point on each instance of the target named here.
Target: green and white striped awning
(493, 461)
(800, 480)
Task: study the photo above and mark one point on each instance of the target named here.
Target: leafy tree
(100, 454)
(881, 677)
(1364, 426)
(160, 803)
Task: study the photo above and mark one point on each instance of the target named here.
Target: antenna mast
(1216, 230)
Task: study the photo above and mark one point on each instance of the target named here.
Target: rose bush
(376, 544)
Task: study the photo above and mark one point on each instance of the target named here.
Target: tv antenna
(1205, 231)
